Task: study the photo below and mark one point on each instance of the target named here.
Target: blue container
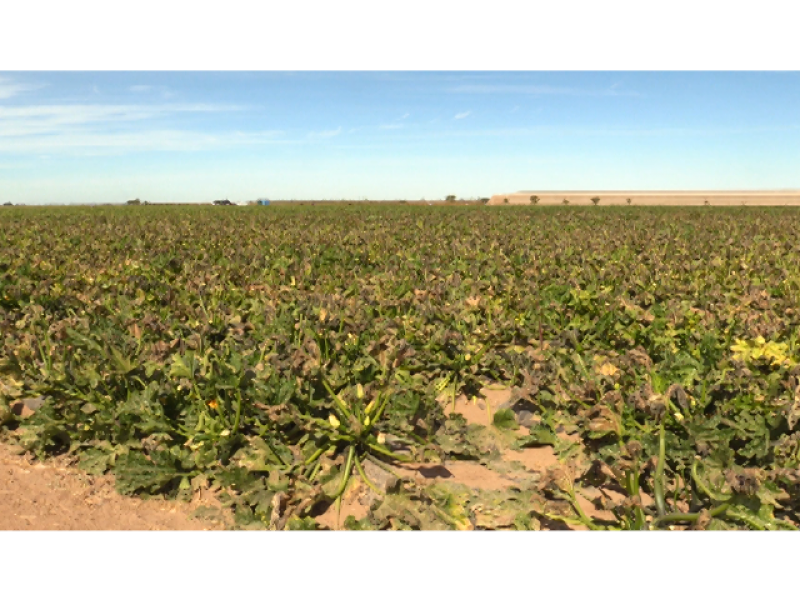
(263, 202)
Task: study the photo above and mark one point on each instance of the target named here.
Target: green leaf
(351, 524)
(182, 366)
(505, 419)
(122, 363)
(296, 523)
(136, 472)
(540, 435)
(95, 461)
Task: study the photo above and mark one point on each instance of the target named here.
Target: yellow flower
(333, 420)
(213, 404)
(608, 370)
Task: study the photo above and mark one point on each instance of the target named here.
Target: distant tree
(484, 200)
(450, 198)
(707, 203)
(8, 204)
(505, 200)
(534, 200)
(596, 200)
(136, 202)
(565, 202)
(628, 201)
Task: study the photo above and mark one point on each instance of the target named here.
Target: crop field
(414, 367)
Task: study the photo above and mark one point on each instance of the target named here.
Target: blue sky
(197, 136)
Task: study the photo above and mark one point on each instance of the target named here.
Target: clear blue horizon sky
(68, 137)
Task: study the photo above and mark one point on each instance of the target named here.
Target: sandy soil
(356, 500)
(655, 198)
(54, 496)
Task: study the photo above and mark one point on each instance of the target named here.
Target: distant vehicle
(223, 203)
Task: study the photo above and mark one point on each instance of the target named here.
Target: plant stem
(659, 476)
(316, 454)
(632, 481)
(238, 416)
(388, 453)
(582, 515)
(365, 478)
(342, 406)
(690, 517)
(704, 488)
(348, 466)
(381, 407)
(314, 470)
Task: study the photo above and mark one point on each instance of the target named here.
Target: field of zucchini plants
(291, 358)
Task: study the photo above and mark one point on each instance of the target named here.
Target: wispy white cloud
(86, 143)
(463, 115)
(619, 132)
(9, 88)
(397, 123)
(103, 129)
(162, 90)
(539, 90)
(62, 118)
(329, 133)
